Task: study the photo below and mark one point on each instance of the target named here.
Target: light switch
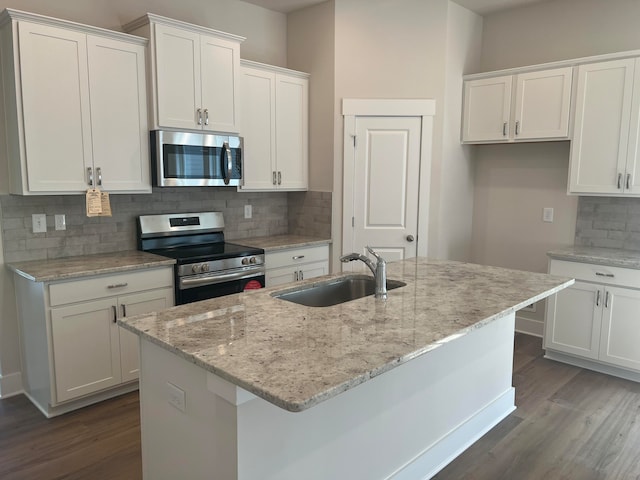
(39, 222)
(547, 214)
(247, 211)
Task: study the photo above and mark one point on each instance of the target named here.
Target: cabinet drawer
(61, 293)
(296, 256)
(625, 277)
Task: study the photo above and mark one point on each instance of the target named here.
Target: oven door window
(218, 289)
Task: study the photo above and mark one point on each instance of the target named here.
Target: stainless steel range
(206, 265)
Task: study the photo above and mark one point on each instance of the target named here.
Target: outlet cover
(547, 214)
(248, 211)
(39, 222)
(176, 397)
(61, 222)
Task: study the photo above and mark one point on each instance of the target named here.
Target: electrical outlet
(547, 214)
(247, 211)
(61, 222)
(39, 222)
(176, 397)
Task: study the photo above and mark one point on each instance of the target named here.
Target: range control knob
(205, 267)
(245, 261)
(195, 268)
(252, 260)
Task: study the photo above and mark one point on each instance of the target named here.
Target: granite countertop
(86, 265)
(600, 256)
(296, 357)
(280, 242)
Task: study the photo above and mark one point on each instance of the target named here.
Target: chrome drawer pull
(608, 275)
(297, 257)
(118, 285)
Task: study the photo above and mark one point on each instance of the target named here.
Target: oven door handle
(213, 279)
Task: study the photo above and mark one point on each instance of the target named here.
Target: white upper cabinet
(604, 149)
(275, 128)
(69, 91)
(531, 106)
(195, 75)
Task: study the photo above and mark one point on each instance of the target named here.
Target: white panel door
(258, 128)
(542, 104)
(601, 128)
(55, 104)
(220, 67)
(292, 126)
(574, 317)
(136, 304)
(119, 114)
(86, 348)
(386, 180)
(620, 339)
(177, 77)
(487, 107)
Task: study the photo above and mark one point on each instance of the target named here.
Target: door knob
(410, 238)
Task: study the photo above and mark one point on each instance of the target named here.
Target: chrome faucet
(379, 269)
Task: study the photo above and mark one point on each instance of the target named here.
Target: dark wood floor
(571, 424)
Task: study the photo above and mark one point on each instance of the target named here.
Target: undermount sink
(335, 291)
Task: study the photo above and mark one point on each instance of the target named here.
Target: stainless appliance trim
(212, 279)
(224, 264)
(212, 221)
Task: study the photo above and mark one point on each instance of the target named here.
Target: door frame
(353, 108)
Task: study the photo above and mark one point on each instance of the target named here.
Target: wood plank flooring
(571, 424)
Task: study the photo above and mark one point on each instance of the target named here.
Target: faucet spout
(379, 269)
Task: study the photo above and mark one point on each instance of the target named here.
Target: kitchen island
(254, 387)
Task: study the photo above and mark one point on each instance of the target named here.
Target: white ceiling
(481, 7)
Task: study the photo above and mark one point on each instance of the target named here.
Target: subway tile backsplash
(85, 235)
(609, 222)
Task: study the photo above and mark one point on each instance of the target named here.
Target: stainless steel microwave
(189, 159)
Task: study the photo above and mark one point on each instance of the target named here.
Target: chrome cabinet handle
(628, 181)
(297, 257)
(99, 173)
(206, 116)
(609, 275)
(598, 299)
(115, 313)
(410, 238)
(619, 181)
(117, 285)
(274, 178)
(90, 176)
(124, 309)
(295, 276)
(606, 300)
(227, 151)
(199, 116)
(279, 178)
(504, 129)
(517, 127)
(301, 276)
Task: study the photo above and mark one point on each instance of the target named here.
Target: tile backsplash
(84, 235)
(608, 222)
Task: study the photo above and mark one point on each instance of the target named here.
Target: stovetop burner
(201, 253)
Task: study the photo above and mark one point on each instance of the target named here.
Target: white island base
(407, 423)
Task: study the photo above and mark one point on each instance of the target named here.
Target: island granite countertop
(280, 242)
(296, 357)
(612, 257)
(87, 265)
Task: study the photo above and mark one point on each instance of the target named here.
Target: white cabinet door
(292, 126)
(313, 270)
(119, 114)
(280, 276)
(86, 351)
(486, 110)
(220, 69)
(55, 108)
(601, 128)
(177, 77)
(542, 104)
(620, 338)
(574, 318)
(258, 129)
(632, 173)
(136, 304)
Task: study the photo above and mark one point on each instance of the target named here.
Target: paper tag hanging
(98, 204)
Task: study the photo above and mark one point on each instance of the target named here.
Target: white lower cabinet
(597, 319)
(296, 264)
(73, 348)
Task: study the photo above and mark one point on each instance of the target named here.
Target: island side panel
(404, 424)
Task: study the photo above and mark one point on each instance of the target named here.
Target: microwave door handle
(227, 152)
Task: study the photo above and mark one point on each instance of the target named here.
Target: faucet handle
(377, 257)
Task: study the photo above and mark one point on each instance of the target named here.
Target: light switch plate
(61, 222)
(39, 222)
(248, 211)
(547, 214)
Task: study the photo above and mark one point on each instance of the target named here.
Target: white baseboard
(10, 385)
(528, 326)
(458, 440)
